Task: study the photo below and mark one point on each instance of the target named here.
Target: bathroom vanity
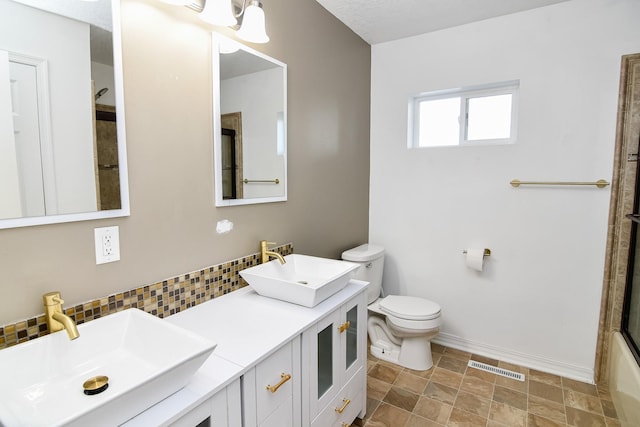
(275, 364)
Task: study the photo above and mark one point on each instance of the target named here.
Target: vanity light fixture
(252, 28)
(218, 12)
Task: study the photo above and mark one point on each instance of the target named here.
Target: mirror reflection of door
(232, 172)
(24, 114)
(107, 158)
(229, 187)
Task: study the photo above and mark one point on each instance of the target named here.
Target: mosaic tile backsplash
(161, 299)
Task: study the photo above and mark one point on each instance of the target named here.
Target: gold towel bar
(601, 183)
(274, 181)
(487, 252)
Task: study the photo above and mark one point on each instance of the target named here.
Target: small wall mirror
(62, 133)
(249, 124)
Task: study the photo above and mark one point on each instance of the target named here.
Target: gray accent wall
(172, 227)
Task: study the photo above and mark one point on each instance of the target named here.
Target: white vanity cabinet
(271, 389)
(334, 380)
(222, 410)
(276, 364)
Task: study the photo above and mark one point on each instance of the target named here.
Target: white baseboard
(551, 366)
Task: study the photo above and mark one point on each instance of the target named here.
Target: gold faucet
(56, 319)
(267, 254)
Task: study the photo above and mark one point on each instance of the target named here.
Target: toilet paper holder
(487, 252)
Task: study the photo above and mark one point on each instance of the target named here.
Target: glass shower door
(631, 307)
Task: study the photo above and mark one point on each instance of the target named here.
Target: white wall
(537, 301)
(66, 48)
(259, 96)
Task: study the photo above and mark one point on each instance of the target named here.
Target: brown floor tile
(436, 358)
(603, 392)
(608, 409)
(611, 422)
(521, 386)
(452, 364)
(481, 375)
(510, 397)
(547, 408)
(483, 359)
(546, 391)
(477, 387)
(437, 348)
(401, 398)
(458, 354)
(416, 421)
(578, 418)
(543, 377)
(452, 394)
(377, 389)
(578, 386)
(582, 401)
(441, 392)
(538, 421)
(433, 410)
(385, 373)
(460, 418)
(388, 416)
(472, 404)
(411, 382)
(372, 405)
(422, 374)
(507, 415)
(446, 377)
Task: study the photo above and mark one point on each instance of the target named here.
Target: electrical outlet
(107, 242)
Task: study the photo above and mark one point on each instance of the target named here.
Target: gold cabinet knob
(344, 326)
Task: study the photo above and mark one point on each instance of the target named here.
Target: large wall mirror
(62, 132)
(250, 125)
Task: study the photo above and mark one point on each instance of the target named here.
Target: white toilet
(400, 327)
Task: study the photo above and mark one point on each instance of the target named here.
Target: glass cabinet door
(325, 360)
(352, 337)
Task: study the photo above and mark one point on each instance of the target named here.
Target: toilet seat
(409, 308)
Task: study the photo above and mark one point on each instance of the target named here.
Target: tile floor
(451, 394)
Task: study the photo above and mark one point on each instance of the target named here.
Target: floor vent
(495, 370)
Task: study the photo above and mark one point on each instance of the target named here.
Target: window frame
(494, 89)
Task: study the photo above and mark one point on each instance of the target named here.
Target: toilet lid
(410, 308)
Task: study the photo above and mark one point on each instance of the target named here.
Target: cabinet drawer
(281, 417)
(350, 413)
(273, 382)
(353, 392)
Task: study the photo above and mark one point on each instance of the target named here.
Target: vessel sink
(303, 279)
(145, 359)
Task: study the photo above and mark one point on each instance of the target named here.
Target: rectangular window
(468, 116)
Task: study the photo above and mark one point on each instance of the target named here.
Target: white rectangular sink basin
(145, 358)
(303, 279)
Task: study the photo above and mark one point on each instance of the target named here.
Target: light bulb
(218, 12)
(253, 24)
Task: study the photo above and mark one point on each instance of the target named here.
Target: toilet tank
(371, 260)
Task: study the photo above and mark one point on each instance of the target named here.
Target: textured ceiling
(378, 21)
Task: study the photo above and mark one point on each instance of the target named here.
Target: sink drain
(95, 385)
(303, 282)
